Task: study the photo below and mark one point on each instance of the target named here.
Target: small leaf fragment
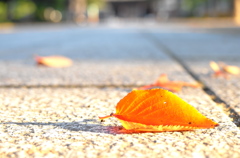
(158, 110)
(214, 66)
(54, 61)
(164, 82)
(223, 69)
(217, 70)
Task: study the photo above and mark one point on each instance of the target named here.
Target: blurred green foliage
(99, 3)
(33, 10)
(191, 6)
(23, 8)
(3, 11)
(28, 10)
(60, 5)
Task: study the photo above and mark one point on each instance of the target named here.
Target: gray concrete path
(49, 112)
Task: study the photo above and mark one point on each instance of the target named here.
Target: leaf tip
(215, 124)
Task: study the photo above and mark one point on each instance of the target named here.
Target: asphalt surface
(53, 112)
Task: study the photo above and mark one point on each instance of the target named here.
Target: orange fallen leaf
(158, 110)
(217, 70)
(215, 67)
(53, 61)
(174, 86)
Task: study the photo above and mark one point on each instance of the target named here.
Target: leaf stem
(105, 117)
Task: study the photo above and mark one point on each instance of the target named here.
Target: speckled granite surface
(90, 73)
(64, 122)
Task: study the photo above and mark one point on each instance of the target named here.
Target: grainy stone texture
(63, 123)
(85, 73)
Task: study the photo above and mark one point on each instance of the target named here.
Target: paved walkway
(48, 112)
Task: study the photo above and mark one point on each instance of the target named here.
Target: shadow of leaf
(87, 125)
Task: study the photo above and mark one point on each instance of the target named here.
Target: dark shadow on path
(87, 125)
